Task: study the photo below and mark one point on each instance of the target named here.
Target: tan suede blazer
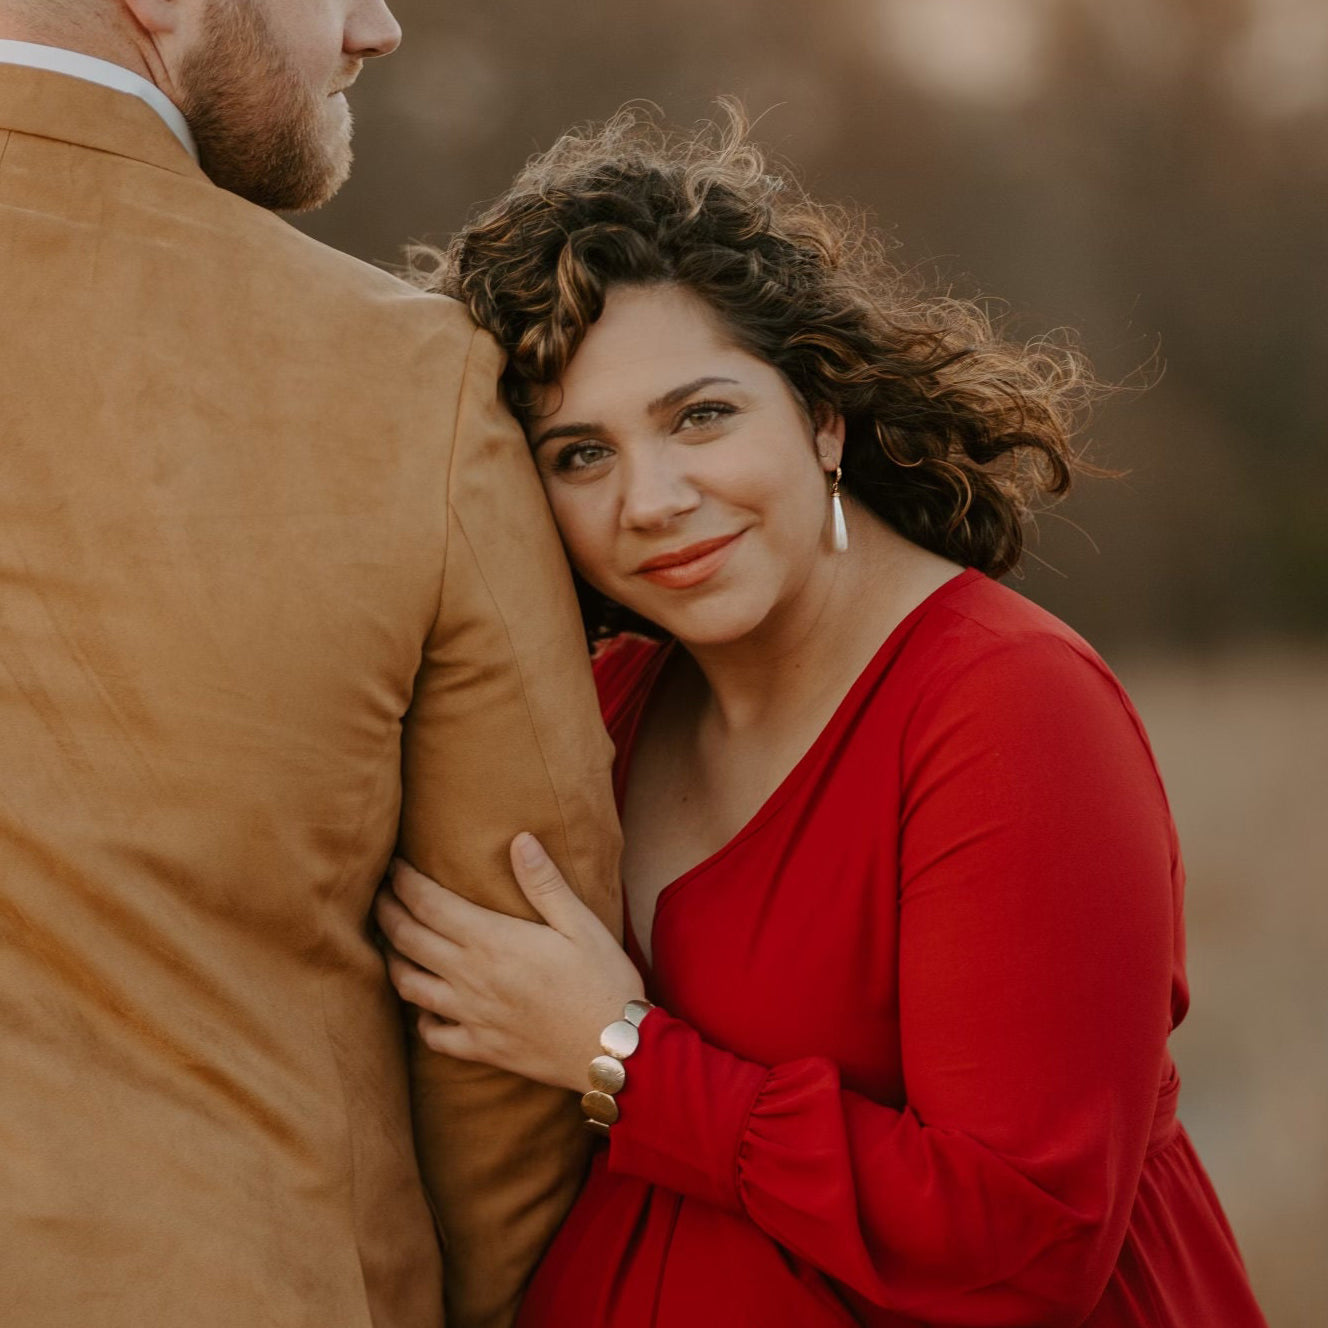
(277, 585)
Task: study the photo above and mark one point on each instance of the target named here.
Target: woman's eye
(578, 456)
(704, 414)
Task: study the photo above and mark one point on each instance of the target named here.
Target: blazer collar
(72, 110)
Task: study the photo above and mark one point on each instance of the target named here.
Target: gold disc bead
(599, 1107)
(607, 1074)
(620, 1039)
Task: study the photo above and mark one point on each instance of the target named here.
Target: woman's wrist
(583, 1032)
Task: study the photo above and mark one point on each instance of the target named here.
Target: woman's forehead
(649, 341)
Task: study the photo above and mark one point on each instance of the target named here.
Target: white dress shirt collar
(87, 67)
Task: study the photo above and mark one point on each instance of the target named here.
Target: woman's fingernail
(529, 850)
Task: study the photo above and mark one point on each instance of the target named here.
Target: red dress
(910, 1061)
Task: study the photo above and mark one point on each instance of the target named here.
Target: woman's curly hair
(954, 434)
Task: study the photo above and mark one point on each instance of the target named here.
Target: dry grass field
(1242, 740)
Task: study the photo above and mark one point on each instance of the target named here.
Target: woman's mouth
(680, 569)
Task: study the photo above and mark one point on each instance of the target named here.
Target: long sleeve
(1036, 949)
(503, 735)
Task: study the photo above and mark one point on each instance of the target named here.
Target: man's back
(246, 487)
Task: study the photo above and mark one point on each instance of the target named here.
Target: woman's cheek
(585, 535)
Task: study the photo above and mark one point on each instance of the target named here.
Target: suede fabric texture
(279, 591)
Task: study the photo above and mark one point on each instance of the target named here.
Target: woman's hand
(505, 991)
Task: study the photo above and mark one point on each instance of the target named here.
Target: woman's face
(686, 478)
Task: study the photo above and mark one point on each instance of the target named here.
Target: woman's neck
(808, 653)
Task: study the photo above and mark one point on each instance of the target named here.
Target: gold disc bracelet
(607, 1072)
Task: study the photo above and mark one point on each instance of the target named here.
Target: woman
(900, 875)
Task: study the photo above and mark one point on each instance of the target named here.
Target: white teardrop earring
(839, 535)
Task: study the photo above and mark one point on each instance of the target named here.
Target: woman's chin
(704, 624)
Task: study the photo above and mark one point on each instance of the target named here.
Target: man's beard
(257, 126)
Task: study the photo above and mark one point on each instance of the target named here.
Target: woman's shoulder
(976, 620)
(996, 693)
(623, 666)
(989, 660)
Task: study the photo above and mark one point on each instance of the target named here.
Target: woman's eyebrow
(681, 393)
(565, 431)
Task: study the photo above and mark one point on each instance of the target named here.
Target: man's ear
(167, 30)
(158, 18)
(180, 22)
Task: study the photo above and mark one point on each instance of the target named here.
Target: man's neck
(95, 41)
(107, 73)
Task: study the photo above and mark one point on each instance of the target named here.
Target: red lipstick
(680, 569)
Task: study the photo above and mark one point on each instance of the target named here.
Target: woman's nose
(655, 493)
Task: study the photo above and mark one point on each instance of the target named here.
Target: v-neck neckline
(784, 789)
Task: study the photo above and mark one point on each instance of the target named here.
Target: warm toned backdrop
(1156, 176)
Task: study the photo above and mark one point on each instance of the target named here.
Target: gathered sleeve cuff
(685, 1111)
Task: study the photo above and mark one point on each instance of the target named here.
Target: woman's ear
(829, 438)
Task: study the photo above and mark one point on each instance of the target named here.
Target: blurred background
(1154, 174)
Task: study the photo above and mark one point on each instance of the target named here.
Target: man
(278, 590)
